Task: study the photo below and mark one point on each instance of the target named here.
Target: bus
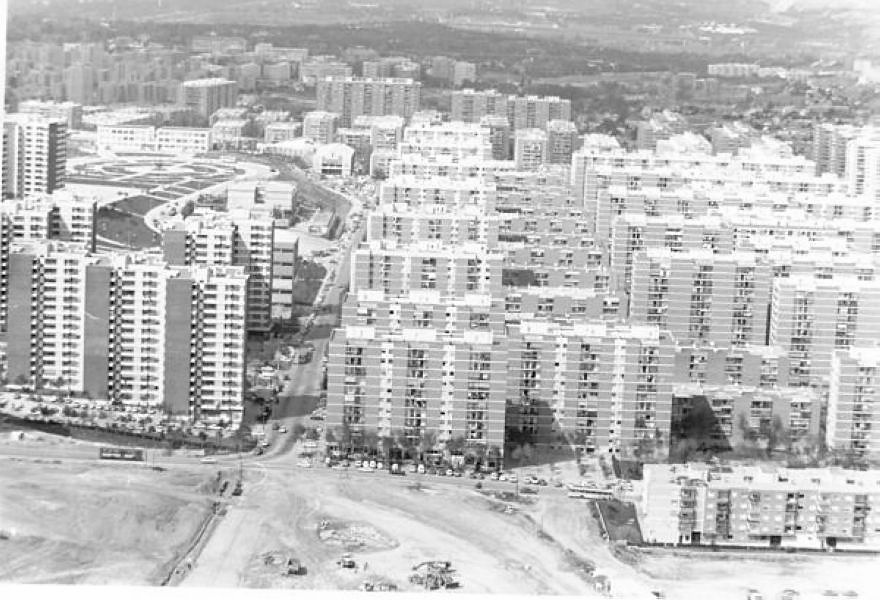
(133, 454)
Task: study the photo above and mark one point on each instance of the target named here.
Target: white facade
(144, 138)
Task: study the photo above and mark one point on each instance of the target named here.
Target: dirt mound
(354, 536)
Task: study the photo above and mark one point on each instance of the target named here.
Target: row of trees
(399, 445)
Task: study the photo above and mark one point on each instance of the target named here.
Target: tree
(370, 441)
(20, 379)
(387, 444)
(59, 382)
(776, 435)
(456, 445)
(427, 442)
(479, 452)
(298, 430)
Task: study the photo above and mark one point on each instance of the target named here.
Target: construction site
(265, 523)
(86, 523)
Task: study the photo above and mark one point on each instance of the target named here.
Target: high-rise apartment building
(129, 328)
(456, 140)
(812, 316)
(522, 112)
(702, 297)
(853, 424)
(530, 149)
(35, 154)
(352, 97)
(454, 270)
(229, 239)
(206, 96)
(562, 141)
(61, 216)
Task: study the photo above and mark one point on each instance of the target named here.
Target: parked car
(209, 460)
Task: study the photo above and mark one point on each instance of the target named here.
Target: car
(265, 444)
(413, 468)
(528, 490)
(502, 477)
(421, 469)
(494, 476)
(542, 482)
(258, 451)
(380, 466)
(358, 464)
(366, 469)
(282, 430)
(209, 460)
(450, 473)
(372, 464)
(512, 478)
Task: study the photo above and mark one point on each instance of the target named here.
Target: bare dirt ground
(730, 575)
(95, 524)
(388, 525)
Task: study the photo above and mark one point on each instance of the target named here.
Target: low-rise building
(760, 506)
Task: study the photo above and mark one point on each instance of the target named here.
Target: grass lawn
(125, 228)
(139, 205)
(620, 520)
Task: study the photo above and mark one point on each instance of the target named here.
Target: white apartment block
(34, 154)
(269, 199)
(206, 96)
(829, 150)
(281, 131)
(853, 422)
(562, 141)
(352, 97)
(522, 112)
(812, 316)
(862, 169)
(458, 140)
(697, 504)
(451, 225)
(285, 253)
(59, 216)
(225, 239)
(606, 385)
(422, 192)
(129, 328)
(466, 268)
(530, 149)
(701, 297)
(417, 380)
(320, 126)
(425, 166)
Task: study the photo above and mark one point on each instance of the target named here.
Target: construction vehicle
(237, 491)
(346, 562)
(369, 586)
(434, 575)
(294, 567)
